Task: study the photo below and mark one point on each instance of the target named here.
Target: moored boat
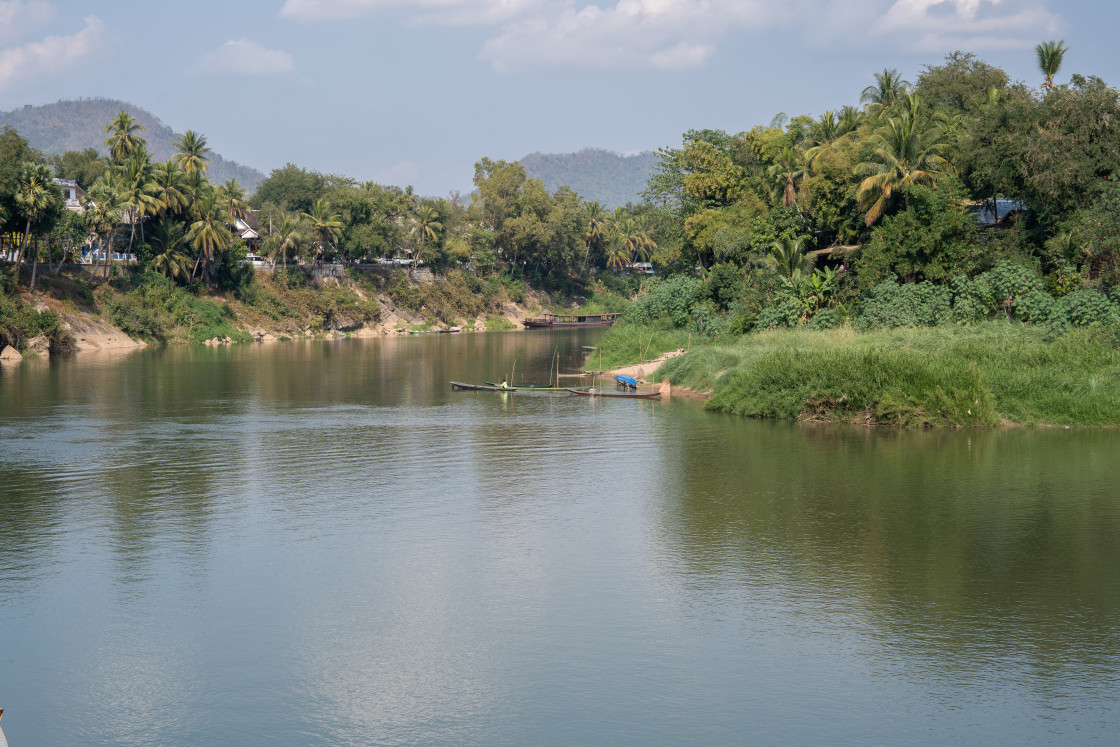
(482, 387)
(550, 320)
(615, 395)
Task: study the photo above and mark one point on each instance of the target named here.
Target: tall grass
(941, 376)
(624, 344)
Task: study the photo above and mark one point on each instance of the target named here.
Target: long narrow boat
(532, 387)
(550, 320)
(615, 395)
(481, 387)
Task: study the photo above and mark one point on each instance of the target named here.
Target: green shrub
(889, 305)
(20, 323)
(669, 301)
(772, 317)
(1085, 308)
(1035, 306)
(827, 318)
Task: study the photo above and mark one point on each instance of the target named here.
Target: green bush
(668, 301)
(1085, 308)
(20, 323)
(827, 318)
(889, 305)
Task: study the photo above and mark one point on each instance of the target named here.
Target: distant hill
(74, 125)
(594, 174)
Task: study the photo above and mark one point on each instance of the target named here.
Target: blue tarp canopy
(626, 380)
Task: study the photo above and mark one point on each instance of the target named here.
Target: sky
(414, 92)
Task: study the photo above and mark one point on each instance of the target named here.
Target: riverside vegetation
(930, 256)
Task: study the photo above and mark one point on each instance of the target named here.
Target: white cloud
(53, 55)
(685, 34)
(17, 18)
(244, 57)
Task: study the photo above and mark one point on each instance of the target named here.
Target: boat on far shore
(482, 387)
(562, 321)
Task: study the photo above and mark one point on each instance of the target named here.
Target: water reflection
(323, 541)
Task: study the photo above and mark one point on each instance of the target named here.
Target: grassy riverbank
(985, 375)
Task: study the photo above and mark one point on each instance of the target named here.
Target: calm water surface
(321, 543)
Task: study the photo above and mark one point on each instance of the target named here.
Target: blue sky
(415, 91)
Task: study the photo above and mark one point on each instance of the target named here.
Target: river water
(321, 543)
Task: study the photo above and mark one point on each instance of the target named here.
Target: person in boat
(504, 385)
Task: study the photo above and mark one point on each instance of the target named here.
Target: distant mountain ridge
(595, 174)
(78, 124)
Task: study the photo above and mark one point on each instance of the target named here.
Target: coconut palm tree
(907, 150)
(427, 226)
(889, 88)
(618, 256)
(169, 182)
(167, 239)
(102, 215)
(633, 240)
(323, 225)
(192, 155)
(122, 141)
(849, 120)
(139, 192)
(209, 234)
(285, 236)
(595, 234)
(788, 256)
(233, 195)
(1050, 55)
(786, 172)
(195, 188)
(36, 192)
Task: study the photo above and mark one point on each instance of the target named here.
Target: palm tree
(139, 192)
(595, 235)
(169, 182)
(324, 225)
(788, 256)
(167, 238)
(1050, 56)
(35, 193)
(102, 215)
(633, 240)
(121, 141)
(427, 226)
(849, 121)
(618, 256)
(233, 195)
(889, 88)
(784, 175)
(285, 235)
(195, 188)
(192, 152)
(907, 150)
(209, 234)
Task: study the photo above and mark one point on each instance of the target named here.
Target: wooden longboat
(559, 321)
(615, 395)
(481, 387)
(532, 387)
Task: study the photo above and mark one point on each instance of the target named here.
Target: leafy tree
(961, 79)
(1096, 232)
(291, 188)
(167, 240)
(122, 140)
(14, 152)
(83, 166)
(323, 225)
(1050, 55)
(192, 154)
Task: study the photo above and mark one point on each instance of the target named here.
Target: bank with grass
(990, 374)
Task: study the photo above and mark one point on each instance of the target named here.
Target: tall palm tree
(849, 121)
(141, 195)
(323, 224)
(889, 88)
(285, 236)
(595, 235)
(192, 155)
(169, 182)
(635, 241)
(618, 256)
(209, 234)
(786, 172)
(122, 141)
(427, 226)
(35, 194)
(195, 188)
(167, 239)
(907, 150)
(1050, 55)
(102, 215)
(233, 195)
(788, 256)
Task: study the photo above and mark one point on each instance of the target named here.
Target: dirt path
(641, 370)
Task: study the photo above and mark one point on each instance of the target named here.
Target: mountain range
(78, 124)
(595, 174)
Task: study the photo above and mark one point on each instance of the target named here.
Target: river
(320, 543)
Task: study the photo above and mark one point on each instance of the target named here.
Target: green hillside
(74, 125)
(594, 174)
